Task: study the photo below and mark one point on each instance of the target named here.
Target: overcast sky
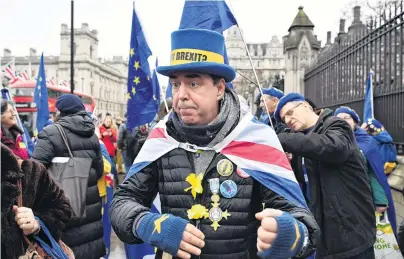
(36, 23)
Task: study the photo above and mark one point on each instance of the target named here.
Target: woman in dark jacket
(83, 235)
(11, 134)
(41, 197)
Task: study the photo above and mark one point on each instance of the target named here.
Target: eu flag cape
(252, 146)
(369, 147)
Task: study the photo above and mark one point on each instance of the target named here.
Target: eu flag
(169, 91)
(368, 102)
(41, 97)
(210, 15)
(141, 107)
(156, 88)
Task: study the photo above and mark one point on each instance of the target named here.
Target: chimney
(6, 53)
(357, 14)
(84, 26)
(342, 26)
(63, 27)
(328, 37)
(32, 52)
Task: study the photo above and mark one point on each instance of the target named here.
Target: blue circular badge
(228, 189)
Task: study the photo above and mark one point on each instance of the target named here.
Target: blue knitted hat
(284, 100)
(273, 92)
(344, 109)
(200, 51)
(69, 104)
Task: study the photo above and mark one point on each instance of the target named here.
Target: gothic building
(301, 49)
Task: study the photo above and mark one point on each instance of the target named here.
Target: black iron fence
(339, 76)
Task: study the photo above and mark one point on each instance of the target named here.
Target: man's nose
(183, 91)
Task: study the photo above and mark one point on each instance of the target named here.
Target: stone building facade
(275, 60)
(104, 79)
(268, 60)
(301, 49)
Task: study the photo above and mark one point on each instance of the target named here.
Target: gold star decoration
(132, 52)
(136, 65)
(40, 79)
(157, 223)
(197, 212)
(215, 225)
(128, 96)
(154, 97)
(133, 90)
(137, 80)
(148, 78)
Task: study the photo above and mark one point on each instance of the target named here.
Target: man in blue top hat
(340, 196)
(212, 202)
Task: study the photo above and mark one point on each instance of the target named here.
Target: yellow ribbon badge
(197, 212)
(196, 184)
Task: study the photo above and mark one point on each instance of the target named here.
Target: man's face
(270, 102)
(196, 97)
(295, 115)
(346, 117)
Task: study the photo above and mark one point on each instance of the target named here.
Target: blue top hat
(198, 50)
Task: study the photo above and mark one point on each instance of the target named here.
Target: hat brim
(223, 70)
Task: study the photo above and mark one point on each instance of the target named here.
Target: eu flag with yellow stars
(41, 97)
(210, 15)
(141, 107)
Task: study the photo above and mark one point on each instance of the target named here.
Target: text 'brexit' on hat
(200, 51)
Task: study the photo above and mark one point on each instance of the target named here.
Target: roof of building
(301, 20)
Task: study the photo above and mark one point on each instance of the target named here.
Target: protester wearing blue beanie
(352, 113)
(327, 150)
(284, 100)
(69, 104)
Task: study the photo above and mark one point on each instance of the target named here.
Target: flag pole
(251, 62)
(72, 49)
(248, 79)
(371, 91)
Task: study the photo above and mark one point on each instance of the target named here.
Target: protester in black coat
(340, 196)
(83, 235)
(246, 215)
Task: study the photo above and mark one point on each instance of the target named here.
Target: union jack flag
(9, 72)
(252, 146)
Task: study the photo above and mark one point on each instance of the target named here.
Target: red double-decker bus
(23, 95)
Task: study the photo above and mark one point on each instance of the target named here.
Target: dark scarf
(203, 135)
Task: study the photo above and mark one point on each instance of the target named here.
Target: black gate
(339, 76)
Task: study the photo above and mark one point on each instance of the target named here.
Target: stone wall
(396, 182)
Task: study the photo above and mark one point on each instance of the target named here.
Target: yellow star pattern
(148, 78)
(137, 65)
(297, 237)
(137, 80)
(157, 223)
(154, 97)
(133, 90)
(132, 52)
(128, 96)
(40, 79)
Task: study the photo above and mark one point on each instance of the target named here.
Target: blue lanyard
(55, 251)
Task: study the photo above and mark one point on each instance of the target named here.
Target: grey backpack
(71, 174)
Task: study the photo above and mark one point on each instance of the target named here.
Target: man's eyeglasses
(290, 111)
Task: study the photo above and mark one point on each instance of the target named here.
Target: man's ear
(221, 86)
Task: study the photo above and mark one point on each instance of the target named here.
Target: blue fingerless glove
(289, 241)
(163, 231)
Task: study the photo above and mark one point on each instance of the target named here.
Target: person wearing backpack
(83, 235)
